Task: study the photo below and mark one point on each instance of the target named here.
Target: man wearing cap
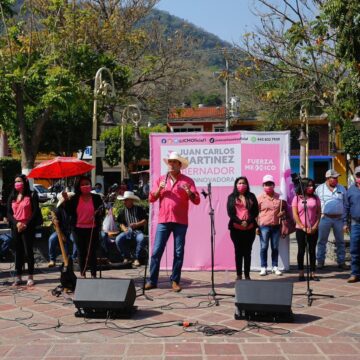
(174, 192)
(64, 222)
(271, 209)
(132, 220)
(333, 216)
(353, 216)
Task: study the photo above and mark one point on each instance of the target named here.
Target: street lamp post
(101, 87)
(303, 140)
(130, 113)
(227, 96)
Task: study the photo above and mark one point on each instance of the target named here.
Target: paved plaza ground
(36, 325)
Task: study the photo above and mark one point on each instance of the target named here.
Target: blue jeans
(126, 239)
(355, 249)
(54, 243)
(325, 226)
(163, 232)
(269, 234)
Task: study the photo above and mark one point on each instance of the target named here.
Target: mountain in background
(207, 56)
(208, 45)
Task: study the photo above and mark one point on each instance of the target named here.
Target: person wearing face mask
(271, 210)
(306, 225)
(86, 212)
(98, 190)
(242, 209)
(174, 191)
(22, 212)
(333, 216)
(353, 216)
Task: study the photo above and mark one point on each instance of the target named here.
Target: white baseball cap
(268, 178)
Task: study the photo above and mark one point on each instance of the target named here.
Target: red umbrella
(60, 167)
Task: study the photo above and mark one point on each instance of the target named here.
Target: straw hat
(175, 156)
(128, 195)
(61, 198)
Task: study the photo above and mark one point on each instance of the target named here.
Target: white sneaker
(276, 271)
(263, 271)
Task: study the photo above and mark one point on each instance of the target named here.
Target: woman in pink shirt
(306, 225)
(23, 211)
(242, 208)
(86, 211)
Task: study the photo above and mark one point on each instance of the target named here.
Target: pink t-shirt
(85, 214)
(243, 214)
(313, 204)
(22, 209)
(174, 201)
(269, 207)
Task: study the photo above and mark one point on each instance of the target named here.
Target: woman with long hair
(86, 211)
(307, 224)
(23, 211)
(242, 209)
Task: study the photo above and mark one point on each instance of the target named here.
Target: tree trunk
(29, 146)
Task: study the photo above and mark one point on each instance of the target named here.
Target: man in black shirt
(132, 220)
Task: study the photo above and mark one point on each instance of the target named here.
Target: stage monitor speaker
(104, 297)
(263, 300)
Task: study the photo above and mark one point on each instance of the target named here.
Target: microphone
(113, 187)
(204, 193)
(209, 188)
(166, 177)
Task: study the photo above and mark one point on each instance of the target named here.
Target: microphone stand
(147, 297)
(212, 292)
(309, 292)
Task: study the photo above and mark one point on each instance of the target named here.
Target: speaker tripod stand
(212, 293)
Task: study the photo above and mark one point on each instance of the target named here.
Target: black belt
(333, 216)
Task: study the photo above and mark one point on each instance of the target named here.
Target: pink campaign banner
(218, 159)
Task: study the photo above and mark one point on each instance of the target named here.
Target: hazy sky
(228, 19)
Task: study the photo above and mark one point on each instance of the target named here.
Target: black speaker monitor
(104, 297)
(263, 300)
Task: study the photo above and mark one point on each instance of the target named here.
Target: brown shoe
(149, 286)
(51, 264)
(353, 279)
(175, 286)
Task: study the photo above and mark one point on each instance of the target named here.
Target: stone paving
(36, 325)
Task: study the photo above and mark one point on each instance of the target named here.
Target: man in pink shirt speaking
(174, 191)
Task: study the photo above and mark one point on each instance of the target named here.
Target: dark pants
(243, 241)
(86, 242)
(24, 243)
(301, 240)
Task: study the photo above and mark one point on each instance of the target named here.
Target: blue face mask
(97, 190)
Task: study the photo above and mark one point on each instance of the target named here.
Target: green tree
(289, 63)
(341, 18)
(49, 54)
(132, 153)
